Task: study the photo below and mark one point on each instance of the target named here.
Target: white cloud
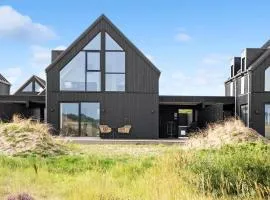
(182, 37)
(206, 79)
(214, 59)
(41, 56)
(18, 26)
(60, 48)
(12, 74)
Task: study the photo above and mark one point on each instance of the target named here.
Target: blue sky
(190, 41)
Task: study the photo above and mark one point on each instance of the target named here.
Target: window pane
(38, 88)
(115, 62)
(267, 120)
(115, 82)
(72, 76)
(244, 113)
(93, 61)
(267, 79)
(94, 44)
(242, 85)
(111, 44)
(90, 115)
(93, 81)
(28, 88)
(69, 123)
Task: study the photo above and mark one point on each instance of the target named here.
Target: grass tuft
(24, 137)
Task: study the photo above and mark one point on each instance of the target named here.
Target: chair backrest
(105, 129)
(125, 129)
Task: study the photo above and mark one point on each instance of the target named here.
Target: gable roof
(33, 78)
(258, 61)
(4, 80)
(266, 45)
(85, 33)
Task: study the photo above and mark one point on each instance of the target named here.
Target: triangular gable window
(94, 44)
(38, 88)
(28, 88)
(111, 44)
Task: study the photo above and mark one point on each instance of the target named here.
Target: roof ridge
(98, 20)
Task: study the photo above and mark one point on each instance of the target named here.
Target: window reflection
(72, 76)
(267, 120)
(69, 119)
(267, 79)
(90, 119)
(115, 82)
(28, 88)
(80, 119)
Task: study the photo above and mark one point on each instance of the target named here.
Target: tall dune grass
(238, 169)
(26, 137)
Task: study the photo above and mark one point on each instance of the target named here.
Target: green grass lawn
(116, 172)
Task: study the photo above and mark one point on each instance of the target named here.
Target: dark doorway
(175, 121)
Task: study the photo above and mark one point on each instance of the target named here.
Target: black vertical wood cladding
(259, 97)
(4, 89)
(137, 106)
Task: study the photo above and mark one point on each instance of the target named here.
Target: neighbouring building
(102, 79)
(249, 84)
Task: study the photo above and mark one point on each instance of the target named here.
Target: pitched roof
(32, 78)
(257, 62)
(266, 45)
(4, 80)
(85, 33)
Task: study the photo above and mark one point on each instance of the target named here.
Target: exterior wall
(138, 105)
(259, 97)
(210, 114)
(4, 89)
(252, 54)
(55, 54)
(8, 110)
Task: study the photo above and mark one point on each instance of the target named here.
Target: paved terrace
(90, 140)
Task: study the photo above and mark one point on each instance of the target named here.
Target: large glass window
(267, 120)
(115, 82)
(94, 44)
(90, 119)
(69, 122)
(28, 88)
(93, 61)
(244, 113)
(38, 88)
(111, 44)
(72, 76)
(114, 66)
(267, 79)
(80, 119)
(83, 72)
(93, 81)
